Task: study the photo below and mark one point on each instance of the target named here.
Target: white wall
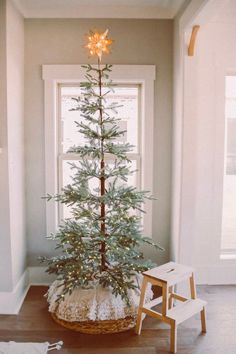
(182, 21)
(202, 155)
(15, 113)
(12, 203)
(61, 42)
(215, 61)
(5, 246)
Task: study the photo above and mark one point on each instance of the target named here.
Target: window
(128, 98)
(134, 90)
(228, 240)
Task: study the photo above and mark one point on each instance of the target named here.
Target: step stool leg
(203, 320)
(165, 294)
(170, 305)
(173, 337)
(193, 287)
(141, 302)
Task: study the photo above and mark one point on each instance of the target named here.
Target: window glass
(125, 96)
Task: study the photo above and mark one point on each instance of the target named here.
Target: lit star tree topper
(98, 44)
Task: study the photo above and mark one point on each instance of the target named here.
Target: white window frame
(225, 253)
(53, 75)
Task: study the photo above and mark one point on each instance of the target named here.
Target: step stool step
(170, 273)
(187, 309)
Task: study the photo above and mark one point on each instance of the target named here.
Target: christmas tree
(101, 241)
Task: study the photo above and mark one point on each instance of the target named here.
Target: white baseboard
(219, 274)
(11, 302)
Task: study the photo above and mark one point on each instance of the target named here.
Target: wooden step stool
(166, 276)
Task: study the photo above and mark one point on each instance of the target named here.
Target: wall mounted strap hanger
(192, 41)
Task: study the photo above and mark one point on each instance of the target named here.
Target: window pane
(67, 174)
(125, 96)
(69, 132)
(229, 196)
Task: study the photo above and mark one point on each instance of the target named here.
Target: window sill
(228, 256)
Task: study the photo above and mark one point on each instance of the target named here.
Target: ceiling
(99, 8)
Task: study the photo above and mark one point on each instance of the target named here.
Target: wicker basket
(98, 327)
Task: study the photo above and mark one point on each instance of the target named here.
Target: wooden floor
(35, 324)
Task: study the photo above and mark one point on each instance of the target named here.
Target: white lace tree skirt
(94, 304)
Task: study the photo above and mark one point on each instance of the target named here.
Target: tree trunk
(102, 180)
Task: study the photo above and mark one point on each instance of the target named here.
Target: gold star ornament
(98, 44)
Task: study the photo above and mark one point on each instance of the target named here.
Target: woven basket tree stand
(95, 310)
(98, 327)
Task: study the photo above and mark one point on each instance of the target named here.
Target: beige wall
(61, 42)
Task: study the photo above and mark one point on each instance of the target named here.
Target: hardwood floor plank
(35, 324)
